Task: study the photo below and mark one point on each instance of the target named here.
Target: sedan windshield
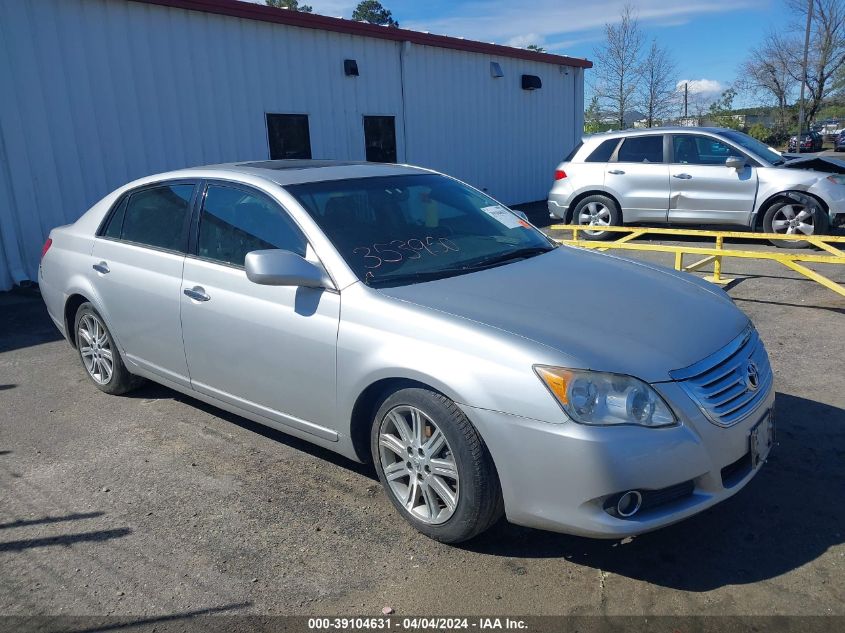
(396, 230)
(753, 145)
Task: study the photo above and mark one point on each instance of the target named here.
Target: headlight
(592, 397)
(837, 179)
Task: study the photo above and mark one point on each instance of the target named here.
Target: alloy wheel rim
(792, 219)
(594, 214)
(95, 349)
(418, 464)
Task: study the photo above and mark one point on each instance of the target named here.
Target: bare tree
(618, 69)
(658, 94)
(827, 49)
(767, 69)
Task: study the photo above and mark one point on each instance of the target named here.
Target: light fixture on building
(496, 70)
(350, 67)
(531, 82)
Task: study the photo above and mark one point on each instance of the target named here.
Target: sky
(708, 39)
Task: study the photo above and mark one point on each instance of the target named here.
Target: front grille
(720, 384)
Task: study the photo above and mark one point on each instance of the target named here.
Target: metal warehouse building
(95, 93)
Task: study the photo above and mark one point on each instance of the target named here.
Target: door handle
(197, 293)
(682, 176)
(101, 268)
(616, 172)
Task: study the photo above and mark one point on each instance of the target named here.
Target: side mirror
(276, 267)
(735, 162)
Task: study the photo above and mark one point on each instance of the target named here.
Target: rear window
(574, 151)
(603, 152)
(641, 149)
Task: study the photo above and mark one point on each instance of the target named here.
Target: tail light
(560, 174)
(46, 247)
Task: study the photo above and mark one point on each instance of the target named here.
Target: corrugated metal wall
(96, 93)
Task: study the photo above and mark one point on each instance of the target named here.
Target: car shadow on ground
(786, 517)
(154, 391)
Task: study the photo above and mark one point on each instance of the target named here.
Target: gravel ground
(156, 505)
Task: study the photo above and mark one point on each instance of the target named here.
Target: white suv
(696, 176)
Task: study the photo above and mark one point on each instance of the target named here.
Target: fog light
(629, 504)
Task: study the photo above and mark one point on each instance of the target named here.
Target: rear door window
(641, 149)
(157, 217)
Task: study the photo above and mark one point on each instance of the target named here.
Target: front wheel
(434, 466)
(791, 217)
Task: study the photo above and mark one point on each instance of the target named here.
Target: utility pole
(686, 97)
(804, 71)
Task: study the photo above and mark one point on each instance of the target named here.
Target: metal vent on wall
(350, 67)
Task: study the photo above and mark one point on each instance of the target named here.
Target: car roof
(290, 172)
(645, 131)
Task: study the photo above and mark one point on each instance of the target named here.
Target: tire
(594, 210)
(112, 378)
(779, 212)
(475, 490)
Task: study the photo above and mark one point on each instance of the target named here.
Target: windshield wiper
(422, 275)
(519, 253)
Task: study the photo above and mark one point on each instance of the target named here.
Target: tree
(291, 5)
(618, 68)
(535, 47)
(592, 116)
(373, 12)
(827, 49)
(721, 110)
(658, 92)
(767, 70)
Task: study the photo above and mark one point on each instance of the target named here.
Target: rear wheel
(434, 466)
(597, 211)
(99, 355)
(791, 217)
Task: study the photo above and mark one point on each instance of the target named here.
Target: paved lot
(158, 505)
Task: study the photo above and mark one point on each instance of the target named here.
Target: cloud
(505, 20)
(704, 87)
(521, 41)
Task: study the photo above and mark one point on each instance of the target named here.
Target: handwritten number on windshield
(412, 249)
(368, 256)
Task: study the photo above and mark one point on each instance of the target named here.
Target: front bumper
(559, 476)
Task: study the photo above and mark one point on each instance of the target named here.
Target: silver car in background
(399, 316)
(696, 176)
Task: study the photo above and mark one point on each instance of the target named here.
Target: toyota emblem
(752, 376)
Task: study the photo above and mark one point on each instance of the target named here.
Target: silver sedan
(399, 316)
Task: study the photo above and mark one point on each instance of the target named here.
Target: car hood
(824, 164)
(599, 311)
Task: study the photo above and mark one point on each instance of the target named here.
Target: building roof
(262, 13)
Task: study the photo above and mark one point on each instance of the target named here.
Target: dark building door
(380, 138)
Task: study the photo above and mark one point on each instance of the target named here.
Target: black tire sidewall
(478, 496)
(820, 223)
(615, 216)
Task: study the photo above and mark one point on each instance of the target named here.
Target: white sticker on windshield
(502, 215)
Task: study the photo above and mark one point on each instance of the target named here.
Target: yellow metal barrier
(791, 260)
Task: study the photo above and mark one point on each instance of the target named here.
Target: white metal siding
(96, 93)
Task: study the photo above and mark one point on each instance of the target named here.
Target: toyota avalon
(398, 316)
